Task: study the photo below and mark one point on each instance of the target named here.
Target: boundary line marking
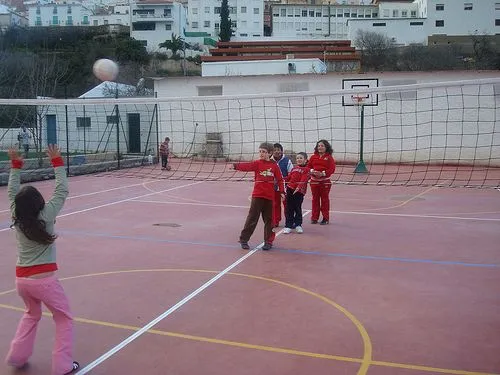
(119, 201)
(421, 216)
(172, 309)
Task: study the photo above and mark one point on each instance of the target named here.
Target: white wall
(443, 124)
(265, 67)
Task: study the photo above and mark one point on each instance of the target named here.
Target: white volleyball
(105, 69)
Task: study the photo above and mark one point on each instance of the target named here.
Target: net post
(67, 130)
(360, 166)
(117, 130)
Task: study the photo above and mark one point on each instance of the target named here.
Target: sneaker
(323, 222)
(244, 245)
(75, 367)
(287, 230)
(314, 221)
(299, 229)
(267, 246)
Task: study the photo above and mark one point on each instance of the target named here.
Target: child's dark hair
(278, 145)
(328, 147)
(267, 146)
(29, 202)
(303, 154)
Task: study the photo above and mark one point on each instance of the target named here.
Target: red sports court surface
(404, 280)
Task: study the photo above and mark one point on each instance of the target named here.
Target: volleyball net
(445, 133)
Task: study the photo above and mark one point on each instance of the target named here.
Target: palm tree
(174, 45)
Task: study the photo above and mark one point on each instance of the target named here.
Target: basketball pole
(361, 167)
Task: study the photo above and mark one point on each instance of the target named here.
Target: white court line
(143, 184)
(175, 307)
(120, 201)
(335, 212)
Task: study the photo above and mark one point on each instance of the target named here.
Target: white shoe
(286, 230)
(299, 229)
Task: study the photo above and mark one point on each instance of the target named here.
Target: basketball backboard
(369, 99)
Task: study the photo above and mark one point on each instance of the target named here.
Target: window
(217, 26)
(304, 13)
(194, 25)
(378, 24)
(217, 10)
(38, 21)
(209, 90)
(232, 10)
(234, 25)
(55, 20)
(85, 20)
(318, 13)
(69, 10)
(404, 13)
(54, 10)
(70, 20)
(243, 9)
(497, 6)
(111, 119)
(467, 6)
(106, 22)
(386, 13)
(167, 12)
(416, 24)
(195, 10)
(413, 14)
(206, 24)
(395, 13)
(497, 22)
(95, 23)
(143, 26)
(168, 26)
(311, 13)
(439, 23)
(207, 9)
(83, 122)
(37, 10)
(439, 6)
(243, 34)
(256, 11)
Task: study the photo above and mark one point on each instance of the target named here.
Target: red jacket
(325, 163)
(298, 177)
(267, 173)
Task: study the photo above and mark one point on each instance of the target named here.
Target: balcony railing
(164, 17)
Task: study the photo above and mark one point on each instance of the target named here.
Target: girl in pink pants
(36, 282)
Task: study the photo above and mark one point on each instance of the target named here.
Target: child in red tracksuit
(322, 165)
(295, 191)
(267, 173)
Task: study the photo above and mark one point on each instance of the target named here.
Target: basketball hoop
(358, 99)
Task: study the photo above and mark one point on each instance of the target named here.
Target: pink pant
(320, 200)
(33, 292)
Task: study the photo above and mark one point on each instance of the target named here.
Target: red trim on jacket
(267, 173)
(57, 162)
(35, 270)
(16, 163)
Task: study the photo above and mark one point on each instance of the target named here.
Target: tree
(225, 23)
(376, 49)
(484, 54)
(176, 43)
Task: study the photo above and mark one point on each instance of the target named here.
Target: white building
(247, 17)
(294, 21)
(68, 13)
(111, 15)
(407, 23)
(154, 21)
